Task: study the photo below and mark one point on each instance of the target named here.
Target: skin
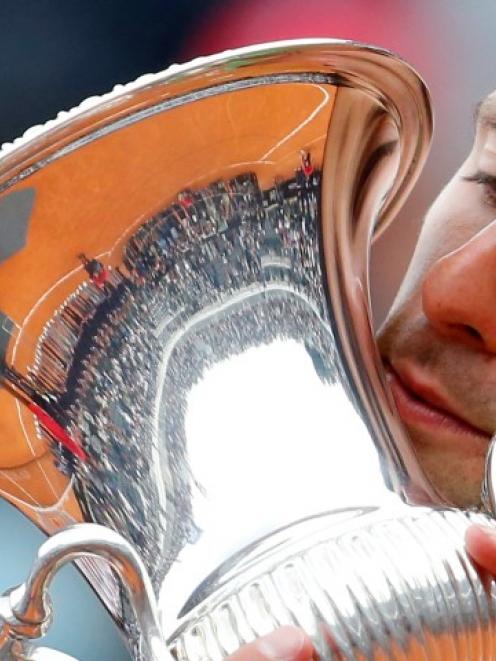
(284, 644)
(439, 340)
(438, 345)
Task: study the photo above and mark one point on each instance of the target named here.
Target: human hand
(480, 542)
(285, 644)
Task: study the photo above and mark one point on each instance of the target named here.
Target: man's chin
(456, 475)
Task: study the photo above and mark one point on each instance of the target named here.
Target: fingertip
(477, 533)
(286, 643)
(480, 542)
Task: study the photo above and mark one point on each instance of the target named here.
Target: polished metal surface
(25, 612)
(364, 583)
(489, 484)
(188, 356)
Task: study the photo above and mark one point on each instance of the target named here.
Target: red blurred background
(450, 42)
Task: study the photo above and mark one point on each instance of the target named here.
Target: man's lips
(420, 406)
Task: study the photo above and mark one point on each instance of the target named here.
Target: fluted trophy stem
(364, 583)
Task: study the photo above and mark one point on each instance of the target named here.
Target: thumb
(285, 644)
(480, 542)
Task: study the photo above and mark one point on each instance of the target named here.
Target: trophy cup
(188, 363)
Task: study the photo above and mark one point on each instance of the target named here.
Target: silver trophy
(187, 361)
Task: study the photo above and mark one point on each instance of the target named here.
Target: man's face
(439, 340)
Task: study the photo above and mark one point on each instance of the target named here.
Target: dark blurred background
(54, 53)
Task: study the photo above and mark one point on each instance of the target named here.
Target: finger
(480, 542)
(284, 644)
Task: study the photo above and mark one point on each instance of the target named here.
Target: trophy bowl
(188, 361)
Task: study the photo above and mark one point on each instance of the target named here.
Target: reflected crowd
(219, 270)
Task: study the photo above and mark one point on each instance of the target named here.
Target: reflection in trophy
(187, 360)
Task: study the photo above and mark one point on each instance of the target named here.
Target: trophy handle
(26, 612)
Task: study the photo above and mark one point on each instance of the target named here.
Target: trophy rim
(348, 63)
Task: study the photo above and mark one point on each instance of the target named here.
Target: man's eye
(488, 183)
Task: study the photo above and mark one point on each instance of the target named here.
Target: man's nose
(459, 292)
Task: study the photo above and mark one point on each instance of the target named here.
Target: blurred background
(54, 53)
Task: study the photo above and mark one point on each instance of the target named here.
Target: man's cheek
(404, 316)
(457, 477)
